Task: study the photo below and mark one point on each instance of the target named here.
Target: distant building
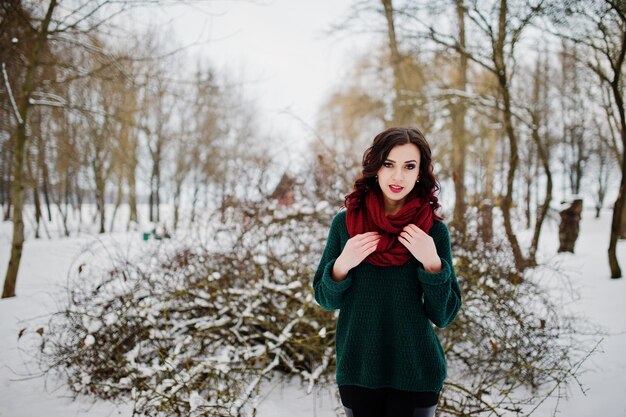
(283, 192)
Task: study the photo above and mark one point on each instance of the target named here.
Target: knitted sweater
(385, 335)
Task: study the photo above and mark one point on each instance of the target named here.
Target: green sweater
(385, 335)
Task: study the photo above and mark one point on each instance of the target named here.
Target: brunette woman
(387, 266)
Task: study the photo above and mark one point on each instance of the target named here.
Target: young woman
(387, 266)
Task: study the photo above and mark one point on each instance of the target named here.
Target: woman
(387, 266)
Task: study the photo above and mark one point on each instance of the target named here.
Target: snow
(46, 264)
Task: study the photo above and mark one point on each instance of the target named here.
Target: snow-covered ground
(45, 266)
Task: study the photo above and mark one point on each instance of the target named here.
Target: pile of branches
(512, 345)
(193, 331)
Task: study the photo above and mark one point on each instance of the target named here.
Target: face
(397, 175)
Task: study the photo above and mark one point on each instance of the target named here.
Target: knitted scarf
(371, 217)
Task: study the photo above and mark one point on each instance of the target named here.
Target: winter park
(335, 208)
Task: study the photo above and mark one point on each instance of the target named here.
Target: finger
(417, 230)
(369, 245)
(409, 230)
(404, 241)
(366, 235)
(412, 240)
(369, 239)
(371, 248)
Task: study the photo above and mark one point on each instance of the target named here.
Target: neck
(392, 207)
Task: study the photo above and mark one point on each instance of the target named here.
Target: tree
(600, 28)
(459, 134)
(498, 31)
(21, 114)
(539, 127)
(33, 36)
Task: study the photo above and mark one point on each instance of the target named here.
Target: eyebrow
(406, 162)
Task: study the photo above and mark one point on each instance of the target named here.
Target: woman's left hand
(421, 246)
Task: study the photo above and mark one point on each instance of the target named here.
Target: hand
(356, 249)
(421, 246)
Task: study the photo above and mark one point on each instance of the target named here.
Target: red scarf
(371, 217)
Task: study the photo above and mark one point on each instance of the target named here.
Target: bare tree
(600, 28)
(498, 28)
(402, 111)
(459, 134)
(156, 120)
(601, 155)
(576, 150)
(22, 106)
(539, 127)
(32, 33)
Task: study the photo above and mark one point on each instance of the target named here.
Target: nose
(398, 174)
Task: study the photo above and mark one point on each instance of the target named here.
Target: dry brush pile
(192, 331)
(513, 345)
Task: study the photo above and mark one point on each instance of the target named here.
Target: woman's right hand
(357, 248)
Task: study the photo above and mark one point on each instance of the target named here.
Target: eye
(387, 164)
(411, 166)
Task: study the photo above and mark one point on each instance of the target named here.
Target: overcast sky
(280, 48)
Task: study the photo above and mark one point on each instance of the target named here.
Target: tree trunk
(616, 271)
(158, 186)
(622, 233)
(45, 177)
(401, 109)
(618, 209)
(528, 183)
(18, 166)
(194, 201)
(539, 117)
(487, 203)
(151, 199)
(79, 201)
(66, 201)
(118, 201)
(100, 190)
(459, 140)
(176, 205)
(507, 201)
(570, 225)
(34, 183)
(4, 182)
(132, 184)
(9, 186)
(543, 211)
(101, 204)
(155, 181)
(33, 178)
(132, 201)
(18, 201)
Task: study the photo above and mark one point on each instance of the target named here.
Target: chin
(396, 197)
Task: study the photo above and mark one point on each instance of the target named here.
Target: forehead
(404, 152)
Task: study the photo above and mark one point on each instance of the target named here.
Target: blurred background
(239, 126)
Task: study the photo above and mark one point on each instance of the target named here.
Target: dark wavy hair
(376, 154)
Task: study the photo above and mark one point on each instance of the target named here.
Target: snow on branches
(195, 329)
(192, 331)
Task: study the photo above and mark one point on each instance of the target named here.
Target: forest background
(522, 103)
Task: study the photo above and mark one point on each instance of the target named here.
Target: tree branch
(16, 112)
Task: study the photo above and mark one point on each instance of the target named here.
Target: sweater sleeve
(442, 294)
(328, 292)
